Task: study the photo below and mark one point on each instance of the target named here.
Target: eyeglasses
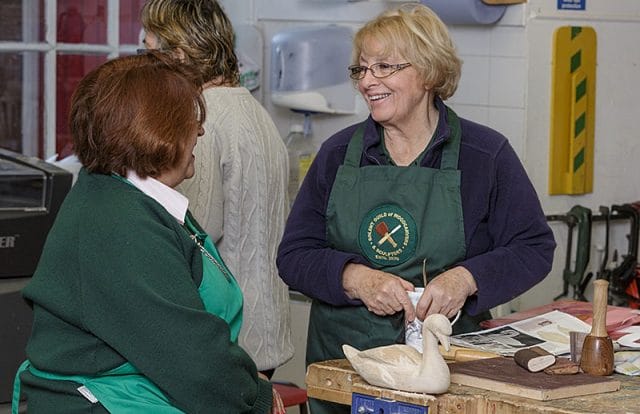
(378, 70)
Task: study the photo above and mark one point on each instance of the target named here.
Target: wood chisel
(460, 354)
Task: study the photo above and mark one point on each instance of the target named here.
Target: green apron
(123, 389)
(395, 217)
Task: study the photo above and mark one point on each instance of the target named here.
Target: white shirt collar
(174, 202)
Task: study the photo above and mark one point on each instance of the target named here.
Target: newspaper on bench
(549, 331)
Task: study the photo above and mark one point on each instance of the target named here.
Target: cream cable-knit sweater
(239, 196)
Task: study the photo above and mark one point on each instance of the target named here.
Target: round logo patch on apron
(388, 235)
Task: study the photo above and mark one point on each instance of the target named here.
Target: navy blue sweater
(509, 246)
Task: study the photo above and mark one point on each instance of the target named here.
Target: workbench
(336, 381)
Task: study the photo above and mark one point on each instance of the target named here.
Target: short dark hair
(135, 113)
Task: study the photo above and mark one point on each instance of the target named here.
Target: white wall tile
(319, 11)
(474, 83)
(508, 41)
(507, 80)
(510, 123)
(475, 113)
(471, 40)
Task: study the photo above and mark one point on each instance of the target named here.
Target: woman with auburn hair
(412, 184)
(134, 310)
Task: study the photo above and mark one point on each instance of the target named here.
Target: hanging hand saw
(579, 217)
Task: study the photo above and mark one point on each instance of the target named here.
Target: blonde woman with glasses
(413, 181)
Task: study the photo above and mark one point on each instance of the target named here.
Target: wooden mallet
(597, 351)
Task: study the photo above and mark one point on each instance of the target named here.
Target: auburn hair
(136, 112)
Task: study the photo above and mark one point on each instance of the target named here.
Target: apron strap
(354, 149)
(451, 150)
(15, 398)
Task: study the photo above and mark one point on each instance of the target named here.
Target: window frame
(50, 47)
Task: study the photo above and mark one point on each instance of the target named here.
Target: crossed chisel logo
(383, 231)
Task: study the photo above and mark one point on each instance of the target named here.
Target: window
(46, 47)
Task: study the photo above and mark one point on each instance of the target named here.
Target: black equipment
(31, 192)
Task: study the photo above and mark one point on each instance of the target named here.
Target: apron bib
(395, 217)
(123, 389)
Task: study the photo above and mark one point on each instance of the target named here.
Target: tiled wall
(492, 88)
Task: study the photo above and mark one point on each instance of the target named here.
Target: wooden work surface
(505, 376)
(335, 380)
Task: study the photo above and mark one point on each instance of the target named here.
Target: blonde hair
(417, 34)
(199, 28)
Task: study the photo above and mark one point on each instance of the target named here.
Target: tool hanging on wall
(625, 273)
(633, 290)
(573, 95)
(579, 217)
(624, 277)
(603, 272)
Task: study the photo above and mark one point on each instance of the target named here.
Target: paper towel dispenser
(466, 12)
(309, 69)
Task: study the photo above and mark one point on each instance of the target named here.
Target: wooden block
(505, 376)
(534, 359)
(563, 366)
(331, 381)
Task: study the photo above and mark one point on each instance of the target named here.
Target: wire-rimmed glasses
(378, 70)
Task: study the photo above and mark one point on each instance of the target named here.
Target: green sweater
(118, 282)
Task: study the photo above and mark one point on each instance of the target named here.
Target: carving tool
(597, 351)
(424, 272)
(460, 354)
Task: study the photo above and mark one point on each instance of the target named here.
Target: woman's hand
(446, 293)
(382, 293)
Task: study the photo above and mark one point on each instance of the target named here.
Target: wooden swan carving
(401, 367)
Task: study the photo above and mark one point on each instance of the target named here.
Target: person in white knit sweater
(239, 193)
